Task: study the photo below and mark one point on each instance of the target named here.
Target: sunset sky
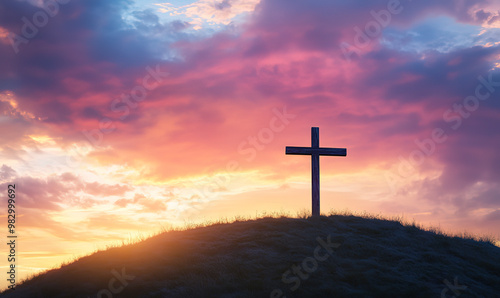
(119, 118)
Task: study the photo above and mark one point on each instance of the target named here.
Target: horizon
(132, 116)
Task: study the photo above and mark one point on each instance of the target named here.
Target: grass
(248, 257)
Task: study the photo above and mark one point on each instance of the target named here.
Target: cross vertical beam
(315, 151)
(315, 171)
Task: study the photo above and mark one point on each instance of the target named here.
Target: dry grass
(247, 257)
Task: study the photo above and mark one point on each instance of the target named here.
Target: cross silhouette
(315, 151)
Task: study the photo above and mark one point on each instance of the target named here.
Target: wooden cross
(315, 151)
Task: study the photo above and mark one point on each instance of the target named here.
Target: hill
(334, 256)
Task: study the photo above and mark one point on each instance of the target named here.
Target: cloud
(56, 191)
(6, 173)
(111, 222)
(209, 11)
(100, 190)
(148, 204)
(489, 17)
(63, 61)
(4, 34)
(43, 220)
(286, 59)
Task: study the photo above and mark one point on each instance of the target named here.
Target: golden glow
(44, 140)
(7, 96)
(14, 111)
(4, 36)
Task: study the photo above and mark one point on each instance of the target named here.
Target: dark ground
(353, 257)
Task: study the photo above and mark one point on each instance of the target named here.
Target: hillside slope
(335, 256)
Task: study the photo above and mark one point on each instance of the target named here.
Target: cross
(315, 151)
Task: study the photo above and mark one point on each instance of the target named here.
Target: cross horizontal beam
(316, 151)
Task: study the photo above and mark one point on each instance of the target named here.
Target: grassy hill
(334, 256)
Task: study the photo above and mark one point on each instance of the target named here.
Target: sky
(122, 118)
